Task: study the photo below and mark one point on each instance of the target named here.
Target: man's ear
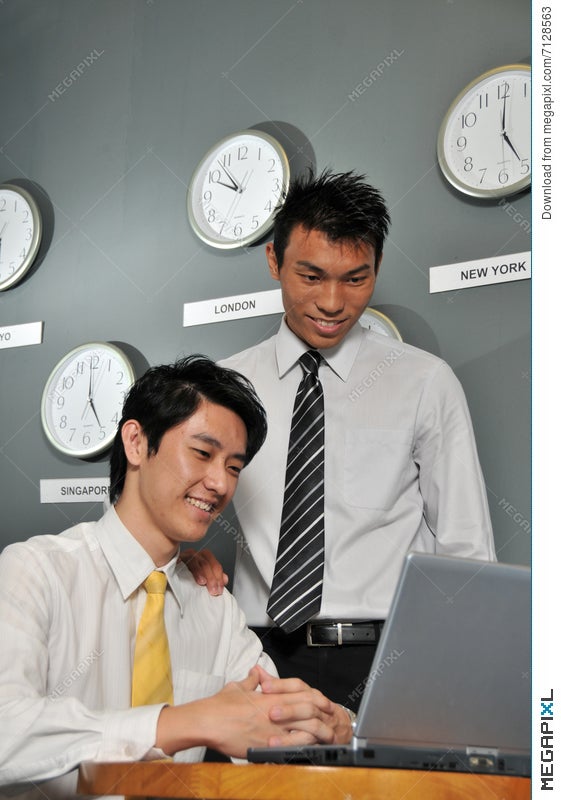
(272, 261)
(134, 441)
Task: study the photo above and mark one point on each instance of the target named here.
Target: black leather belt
(333, 634)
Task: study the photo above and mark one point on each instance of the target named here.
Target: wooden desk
(272, 782)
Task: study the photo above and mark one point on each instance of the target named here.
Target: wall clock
(484, 140)
(83, 398)
(20, 233)
(375, 321)
(236, 188)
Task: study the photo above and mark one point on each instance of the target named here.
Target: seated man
(73, 660)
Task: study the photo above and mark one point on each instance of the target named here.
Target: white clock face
(20, 233)
(484, 141)
(375, 321)
(83, 399)
(236, 188)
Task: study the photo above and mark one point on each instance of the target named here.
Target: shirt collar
(341, 358)
(128, 560)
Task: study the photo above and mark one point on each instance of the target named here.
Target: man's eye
(203, 453)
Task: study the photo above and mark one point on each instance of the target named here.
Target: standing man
(88, 670)
(400, 470)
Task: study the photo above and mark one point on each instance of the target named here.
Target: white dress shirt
(401, 470)
(69, 605)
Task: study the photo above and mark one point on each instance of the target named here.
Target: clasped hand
(259, 711)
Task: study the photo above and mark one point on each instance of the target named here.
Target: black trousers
(340, 672)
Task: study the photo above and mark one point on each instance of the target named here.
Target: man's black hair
(167, 395)
(341, 205)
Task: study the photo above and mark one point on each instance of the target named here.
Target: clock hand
(503, 115)
(89, 399)
(507, 140)
(229, 174)
(91, 395)
(95, 413)
(227, 185)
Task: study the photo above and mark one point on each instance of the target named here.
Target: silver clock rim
(254, 236)
(26, 264)
(108, 441)
(451, 177)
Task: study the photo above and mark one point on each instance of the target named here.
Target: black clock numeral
(503, 176)
(461, 143)
(469, 120)
(524, 166)
(503, 91)
(483, 170)
(214, 176)
(468, 164)
(272, 162)
(484, 100)
(242, 152)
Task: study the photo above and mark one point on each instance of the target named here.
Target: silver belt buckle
(309, 640)
(311, 643)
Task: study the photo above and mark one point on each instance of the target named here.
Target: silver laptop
(449, 687)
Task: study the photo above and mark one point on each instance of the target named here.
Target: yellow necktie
(151, 676)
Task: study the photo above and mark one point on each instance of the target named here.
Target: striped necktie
(151, 675)
(298, 577)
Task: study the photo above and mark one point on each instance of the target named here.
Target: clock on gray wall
(21, 229)
(83, 398)
(236, 188)
(484, 140)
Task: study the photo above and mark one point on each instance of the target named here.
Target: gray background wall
(116, 149)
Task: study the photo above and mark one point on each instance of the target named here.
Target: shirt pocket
(375, 465)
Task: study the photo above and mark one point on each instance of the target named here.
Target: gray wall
(116, 149)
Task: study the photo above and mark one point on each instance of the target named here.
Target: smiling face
(172, 496)
(325, 285)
